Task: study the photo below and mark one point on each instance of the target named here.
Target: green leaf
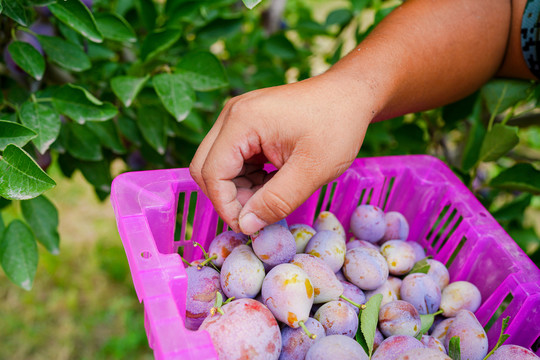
(426, 321)
(14, 133)
(147, 13)
(78, 104)
(158, 41)
(126, 88)
(21, 177)
(475, 137)
(128, 128)
(42, 119)
(40, 2)
(278, 45)
(98, 52)
(19, 254)
(82, 143)
(175, 94)
(250, 4)
(115, 27)
(203, 71)
(368, 322)
(339, 17)
(499, 95)
(98, 174)
(421, 266)
(107, 134)
(498, 141)
(77, 16)
(513, 210)
(520, 177)
(459, 110)
(151, 121)
(454, 350)
(65, 54)
(502, 337)
(15, 10)
(42, 216)
(28, 58)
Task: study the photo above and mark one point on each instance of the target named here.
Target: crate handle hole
(483, 214)
(146, 254)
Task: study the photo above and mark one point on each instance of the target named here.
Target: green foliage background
(136, 84)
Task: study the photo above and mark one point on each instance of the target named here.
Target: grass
(82, 304)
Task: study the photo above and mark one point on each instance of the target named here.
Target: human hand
(310, 131)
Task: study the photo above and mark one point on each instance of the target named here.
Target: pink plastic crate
(444, 217)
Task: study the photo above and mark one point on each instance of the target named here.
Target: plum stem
(308, 333)
(185, 261)
(228, 300)
(202, 264)
(360, 306)
(249, 242)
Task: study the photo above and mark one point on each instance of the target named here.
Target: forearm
(428, 53)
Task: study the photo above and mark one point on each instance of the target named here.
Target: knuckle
(277, 205)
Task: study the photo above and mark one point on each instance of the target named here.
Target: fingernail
(249, 223)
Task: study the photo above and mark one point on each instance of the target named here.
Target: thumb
(293, 184)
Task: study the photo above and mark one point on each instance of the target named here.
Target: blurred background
(90, 101)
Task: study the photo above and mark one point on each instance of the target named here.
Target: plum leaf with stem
(502, 337)
(426, 321)
(369, 317)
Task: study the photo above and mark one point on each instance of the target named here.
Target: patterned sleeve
(530, 41)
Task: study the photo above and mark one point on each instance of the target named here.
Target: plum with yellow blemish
(394, 346)
(242, 273)
(296, 343)
(397, 227)
(433, 343)
(328, 221)
(274, 245)
(336, 347)
(399, 318)
(395, 285)
(399, 256)
(460, 295)
(368, 223)
(302, 233)
(245, 330)
(441, 329)
(329, 246)
(224, 244)
(421, 290)
(203, 284)
(326, 286)
(387, 291)
(365, 268)
(473, 341)
(288, 293)
(337, 318)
